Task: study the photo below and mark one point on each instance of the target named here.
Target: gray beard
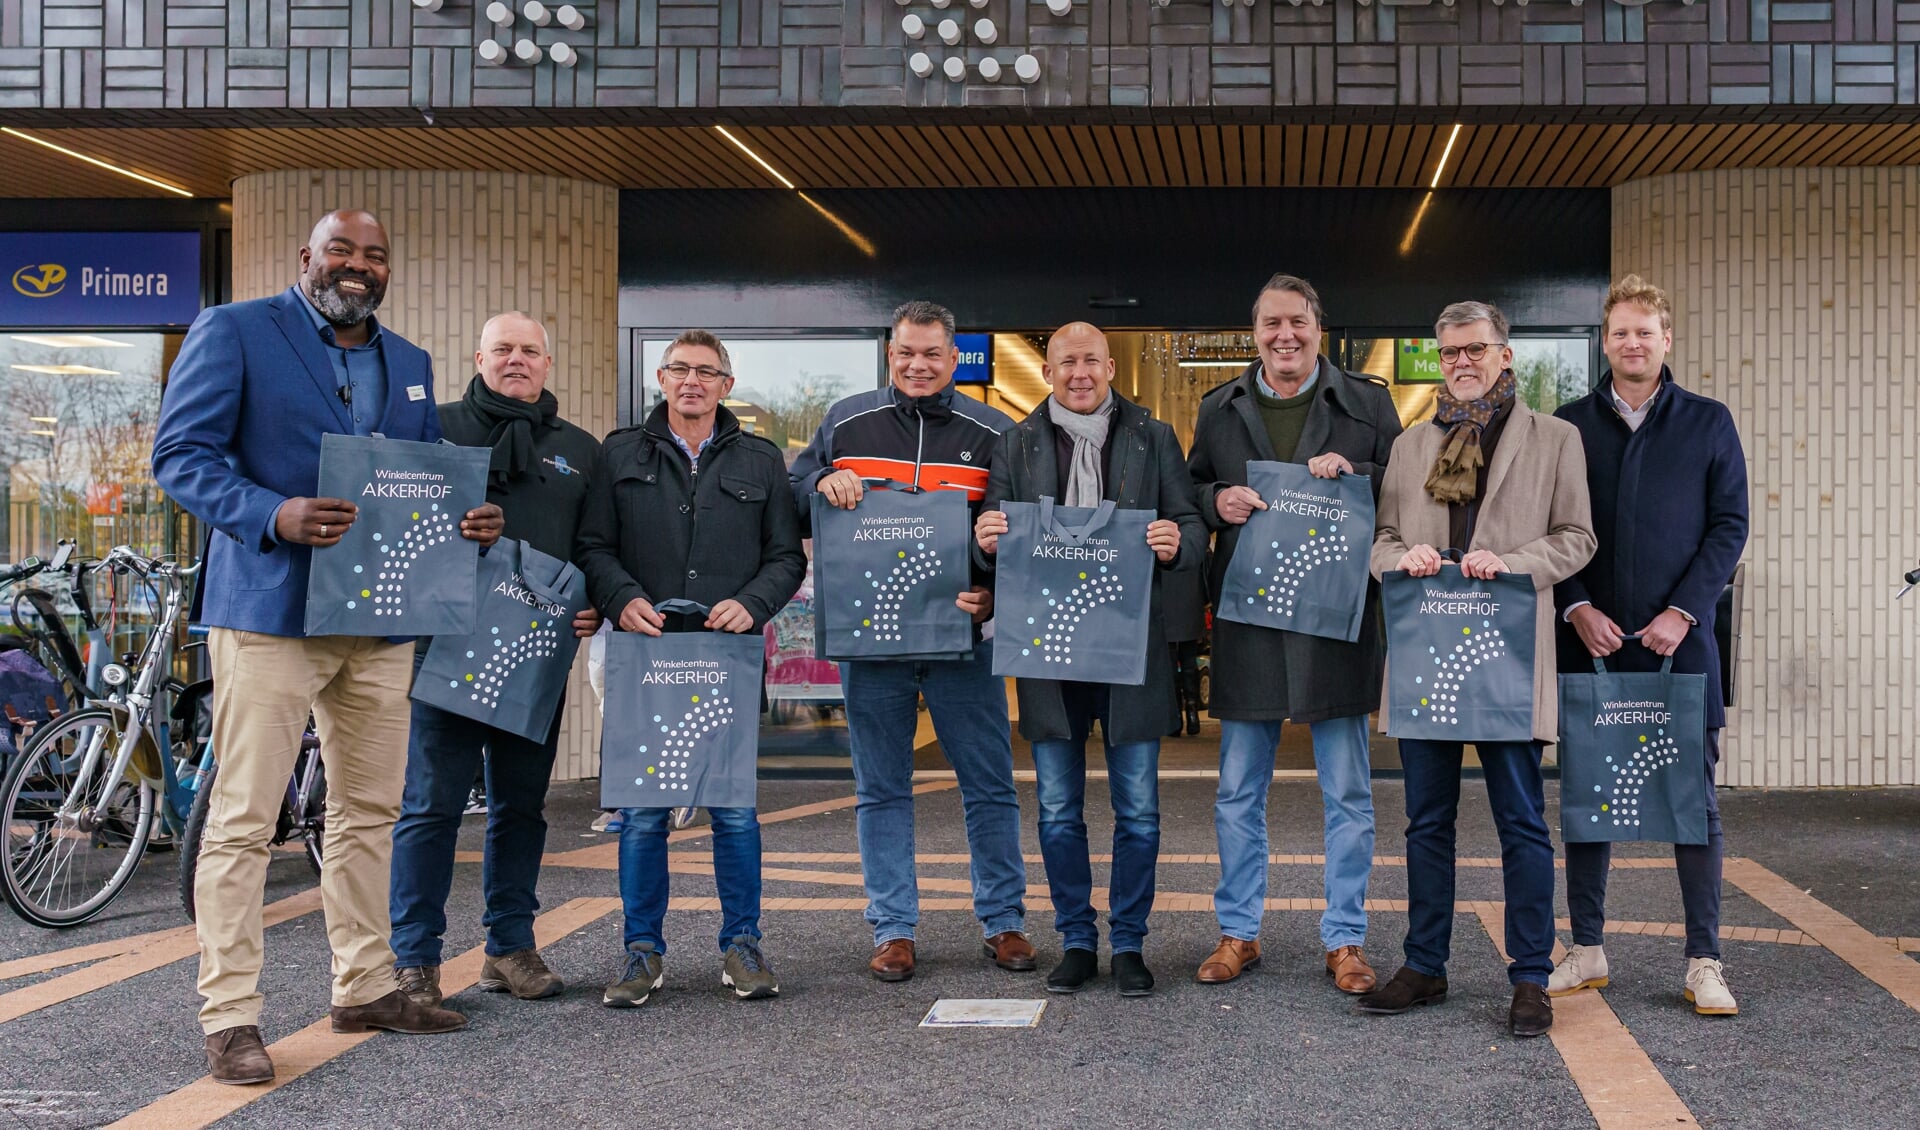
(340, 309)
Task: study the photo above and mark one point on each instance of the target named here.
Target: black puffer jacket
(656, 530)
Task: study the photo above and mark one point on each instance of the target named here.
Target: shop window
(1550, 369)
(77, 419)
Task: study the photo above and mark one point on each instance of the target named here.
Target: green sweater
(1285, 417)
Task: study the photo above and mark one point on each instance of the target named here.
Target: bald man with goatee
(1083, 445)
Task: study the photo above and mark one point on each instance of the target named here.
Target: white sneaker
(1707, 988)
(1584, 967)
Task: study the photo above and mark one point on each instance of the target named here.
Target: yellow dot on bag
(1423, 702)
(1311, 533)
(366, 592)
(1263, 592)
(1083, 576)
(1643, 738)
(903, 553)
(1036, 641)
(696, 698)
(866, 623)
(1604, 808)
(650, 770)
(469, 678)
(416, 515)
(1466, 631)
(533, 623)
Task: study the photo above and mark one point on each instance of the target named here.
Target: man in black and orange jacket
(919, 430)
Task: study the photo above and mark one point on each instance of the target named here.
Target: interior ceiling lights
(94, 161)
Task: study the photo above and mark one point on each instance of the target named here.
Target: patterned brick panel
(825, 61)
(1797, 302)
(467, 246)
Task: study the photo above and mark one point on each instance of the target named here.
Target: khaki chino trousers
(264, 686)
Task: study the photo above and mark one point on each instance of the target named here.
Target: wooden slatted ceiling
(1488, 156)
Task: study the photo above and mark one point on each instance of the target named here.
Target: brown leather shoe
(1349, 969)
(1229, 959)
(396, 1012)
(421, 982)
(1011, 950)
(236, 1056)
(892, 961)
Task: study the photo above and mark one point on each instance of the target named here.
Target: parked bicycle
(78, 805)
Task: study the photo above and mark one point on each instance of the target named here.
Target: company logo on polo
(1440, 696)
(40, 280)
(1652, 751)
(1056, 640)
(1291, 567)
(707, 714)
(502, 659)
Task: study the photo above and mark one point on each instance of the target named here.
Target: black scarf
(510, 425)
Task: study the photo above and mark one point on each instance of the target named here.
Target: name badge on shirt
(416, 392)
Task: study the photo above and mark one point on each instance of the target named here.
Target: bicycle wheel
(62, 870)
(316, 830)
(190, 837)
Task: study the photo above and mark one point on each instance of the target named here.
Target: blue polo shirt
(361, 369)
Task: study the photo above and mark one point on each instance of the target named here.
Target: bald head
(1078, 367)
(343, 271)
(513, 359)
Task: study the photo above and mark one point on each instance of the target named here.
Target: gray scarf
(1089, 434)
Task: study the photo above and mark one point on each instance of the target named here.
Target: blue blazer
(246, 403)
(1670, 512)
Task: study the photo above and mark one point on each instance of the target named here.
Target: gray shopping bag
(1459, 656)
(1073, 594)
(511, 671)
(402, 568)
(887, 572)
(682, 718)
(1633, 756)
(1300, 565)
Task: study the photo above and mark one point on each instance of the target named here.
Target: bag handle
(550, 591)
(1600, 661)
(682, 605)
(891, 484)
(1074, 535)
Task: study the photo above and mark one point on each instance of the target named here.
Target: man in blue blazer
(1669, 485)
(254, 388)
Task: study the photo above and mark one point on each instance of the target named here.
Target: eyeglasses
(1474, 350)
(707, 375)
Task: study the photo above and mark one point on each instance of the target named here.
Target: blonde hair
(1636, 291)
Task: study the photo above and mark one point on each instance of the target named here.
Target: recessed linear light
(44, 419)
(41, 432)
(861, 242)
(1216, 364)
(73, 341)
(95, 161)
(69, 370)
(757, 159)
(1444, 154)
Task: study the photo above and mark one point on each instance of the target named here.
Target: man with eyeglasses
(1507, 487)
(1669, 485)
(1291, 405)
(692, 507)
(919, 430)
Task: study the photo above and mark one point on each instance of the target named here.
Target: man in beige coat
(1507, 486)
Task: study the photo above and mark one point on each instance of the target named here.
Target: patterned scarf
(1455, 474)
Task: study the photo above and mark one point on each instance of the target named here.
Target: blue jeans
(643, 873)
(444, 753)
(1240, 820)
(969, 707)
(1518, 799)
(1698, 866)
(1133, 782)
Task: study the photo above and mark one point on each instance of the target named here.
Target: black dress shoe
(1076, 971)
(1131, 975)
(1193, 722)
(1407, 989)
(1532, 1012)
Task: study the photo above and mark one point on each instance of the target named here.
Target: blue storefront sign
(99, 278)
(976, 359)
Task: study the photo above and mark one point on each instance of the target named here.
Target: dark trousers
(1518, 799)
(443, 754)
(1698, 866)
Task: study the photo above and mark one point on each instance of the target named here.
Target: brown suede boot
(236, 1056)
(396, 1012)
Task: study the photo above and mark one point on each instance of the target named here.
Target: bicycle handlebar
(26, 568)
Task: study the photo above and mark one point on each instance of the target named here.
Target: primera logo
(40, 280)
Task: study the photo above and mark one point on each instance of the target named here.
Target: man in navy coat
(254, 388)
(1669, 485)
